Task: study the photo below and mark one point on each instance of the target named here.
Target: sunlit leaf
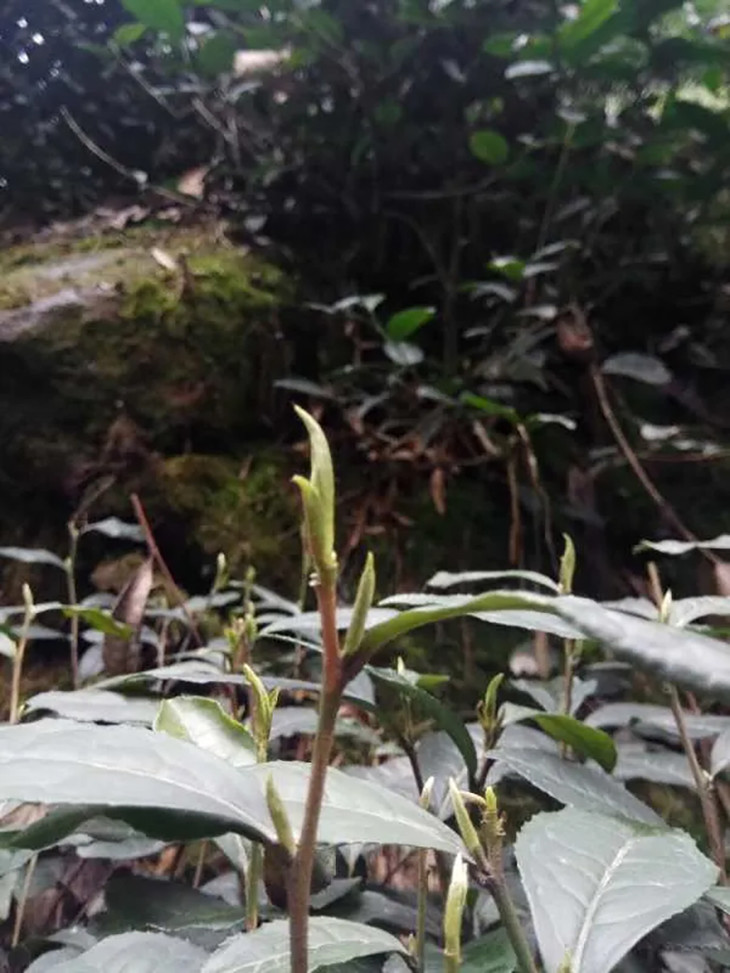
(683, 657)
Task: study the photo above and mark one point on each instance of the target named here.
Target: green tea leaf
(682, 657)
(142, 902)
(63, 763)
(610, 882)
(576, 785)
(144, 952)
(586, 740)
(330, 941)
(444, 718)
(355, 811)
(203, 722)
(380, 635)
(95, 706)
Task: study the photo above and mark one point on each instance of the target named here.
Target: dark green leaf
(492, 953)
(216, 54)
(203, 722)
(330, 941)
(162, 15)
(596, 885)
(489, 146)
(141, 902)
(405, 323)
(576, 785)
(586, 740)
(444, 718)
(381, 634)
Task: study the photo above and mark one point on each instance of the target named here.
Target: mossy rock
(238, 507)
(170, 332)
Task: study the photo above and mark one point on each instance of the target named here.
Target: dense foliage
(480, 202)
(161, 813)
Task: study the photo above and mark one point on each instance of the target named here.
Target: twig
(154, 552)
(632, 459)
(702, 781)
(119, 167)
(704, 787)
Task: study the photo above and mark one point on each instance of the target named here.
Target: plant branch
(632, 459)
(703, 784)
(157, 557)
(300, 877)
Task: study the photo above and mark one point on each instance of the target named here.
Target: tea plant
(164, 789)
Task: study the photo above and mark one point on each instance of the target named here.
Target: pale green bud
(567, 567)
(363, 603)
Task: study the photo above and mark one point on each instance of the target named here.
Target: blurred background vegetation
(485, 240)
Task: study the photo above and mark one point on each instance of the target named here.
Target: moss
(247, 512)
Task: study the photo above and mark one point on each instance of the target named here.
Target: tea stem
(303, 864)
